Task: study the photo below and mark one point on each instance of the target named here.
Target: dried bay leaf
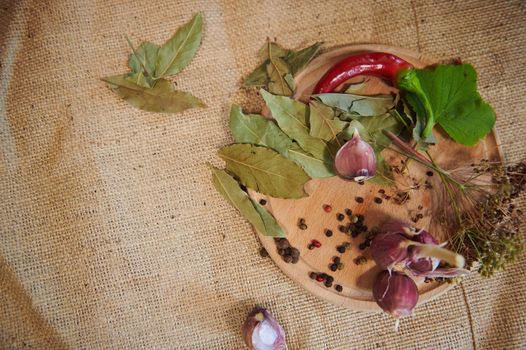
(272, 228)
(323, 122)
(144, 58)
(258, 77)
(239, 199)
(363, 105)
(179, 50)
(264, 170)
(276, 71)
(293, 118)
(272, 50)
(257, 130)
(313, 166)
(161, 98)
(297, 60)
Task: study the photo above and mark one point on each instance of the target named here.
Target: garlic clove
(356, 159)
(262, 332)
(395, 293)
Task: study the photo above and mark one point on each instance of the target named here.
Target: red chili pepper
(319, 278)
(380, 64)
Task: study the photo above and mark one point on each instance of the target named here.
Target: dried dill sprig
(478, 210)
(488, 231)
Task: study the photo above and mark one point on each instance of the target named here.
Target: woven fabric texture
(112, 236)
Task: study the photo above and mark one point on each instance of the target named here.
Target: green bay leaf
(297, 60)
(144, 59)
(277, 69)
(258, 130)
(179, 50)
(265, 171)
(313, 166)
(323, 122)
(258, 77)
(239, 199)
(293, 118)
(363, 105)
(272, 50)
(161, 98)
(272, 228)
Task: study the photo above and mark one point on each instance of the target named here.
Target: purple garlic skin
(417, 251)
(356, 159)
(262, 332)
(388, 250)
(395, 293)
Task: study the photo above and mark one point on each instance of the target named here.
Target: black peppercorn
(294, 252)
(362, 246)
(336, 259)
(348, 212)
(295, 260)
(378, 200)
(328, 233)
(340, 217)
(263, 252)
(429, 173)
(283, 243)
(329, 278)
(262, 201)
(287, 258)
(338, 288)
(334, 267)
(311, 246)
(358, 199)
(313, 275)
(328, 284)
(343, 228)
(341, 249)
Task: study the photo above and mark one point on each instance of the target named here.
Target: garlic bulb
(356, 159)
(262, 332)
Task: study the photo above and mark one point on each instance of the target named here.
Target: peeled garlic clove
(395, 293)
(356, 159)
(262, 332)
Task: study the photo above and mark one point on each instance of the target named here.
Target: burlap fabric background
(111, 234)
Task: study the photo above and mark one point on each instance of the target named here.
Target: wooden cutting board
(357, 280)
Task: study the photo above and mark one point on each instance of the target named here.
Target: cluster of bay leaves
(277, 157)
(146, 86)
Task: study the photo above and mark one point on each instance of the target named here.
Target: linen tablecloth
(112, 236)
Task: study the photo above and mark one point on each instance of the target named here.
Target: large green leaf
(323, 122)
(293, 118)
(179, 50)
(358, 104)
(447, 95)
(161, 98)
(265, 170)
(297, 60)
